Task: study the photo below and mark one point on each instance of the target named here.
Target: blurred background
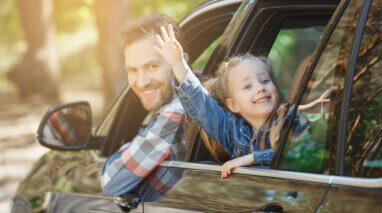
(59, 51)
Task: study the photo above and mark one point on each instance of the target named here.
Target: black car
(334, 166)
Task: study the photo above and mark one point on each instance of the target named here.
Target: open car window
(292, 50)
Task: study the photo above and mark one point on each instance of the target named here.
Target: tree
(111, 16)
(38, 70)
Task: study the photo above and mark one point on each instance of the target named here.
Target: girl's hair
(217, 150)
(282, 106)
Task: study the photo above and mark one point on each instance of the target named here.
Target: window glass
(309, 147)
(363, 156)
(291, 51)
(202, 60)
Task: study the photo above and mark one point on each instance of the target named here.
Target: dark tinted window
(311, 149)
(364, 130)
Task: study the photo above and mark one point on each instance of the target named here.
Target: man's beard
(165, 98)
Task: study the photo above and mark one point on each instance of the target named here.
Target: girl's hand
(231, 165)
(172, 52)
(321, 100)
(170, 49)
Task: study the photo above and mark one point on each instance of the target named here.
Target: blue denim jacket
(232, 131)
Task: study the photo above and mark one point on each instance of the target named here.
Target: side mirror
(68, 127)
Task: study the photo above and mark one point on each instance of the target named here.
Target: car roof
(206, 7)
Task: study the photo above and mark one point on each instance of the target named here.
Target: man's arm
(125, 169)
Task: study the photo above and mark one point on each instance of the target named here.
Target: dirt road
(18, 147)
(18, 125)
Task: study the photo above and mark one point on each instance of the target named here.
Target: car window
(310, 146)
(291, 51)
(363, 156)
(202, 60)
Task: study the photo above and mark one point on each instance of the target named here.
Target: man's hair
(149, 26)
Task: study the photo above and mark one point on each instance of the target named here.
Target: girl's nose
(259, 88)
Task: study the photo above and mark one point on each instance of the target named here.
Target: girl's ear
(231, 105)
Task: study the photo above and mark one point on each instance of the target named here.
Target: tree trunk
(38, 70)
(112, 16)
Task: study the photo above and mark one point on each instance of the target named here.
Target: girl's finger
(164, 34)
(178, 46)
(159, 40)
(171, 32)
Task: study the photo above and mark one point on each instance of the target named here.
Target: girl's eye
(265, 80)
(248, 86)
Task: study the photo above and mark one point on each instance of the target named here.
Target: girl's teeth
(262, 100)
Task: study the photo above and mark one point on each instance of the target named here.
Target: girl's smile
(262, 99)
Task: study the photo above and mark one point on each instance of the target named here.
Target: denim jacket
(232, 131)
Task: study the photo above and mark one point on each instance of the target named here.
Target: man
(164, 137)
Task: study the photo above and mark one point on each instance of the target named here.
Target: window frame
(348, 87)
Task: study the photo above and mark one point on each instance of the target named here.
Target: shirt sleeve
(134, 161)
(264, 157)
(204, 110)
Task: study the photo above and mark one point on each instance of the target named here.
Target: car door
(358, 187)
(257, 27)
(345, 134)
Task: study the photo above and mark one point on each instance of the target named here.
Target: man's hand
(172, 52)
(229, 166)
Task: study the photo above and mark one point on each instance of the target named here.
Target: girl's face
(252, 92)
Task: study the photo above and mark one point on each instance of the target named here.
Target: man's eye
(152, 66)
(130, 70)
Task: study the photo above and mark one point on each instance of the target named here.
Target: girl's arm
(231, 165)
(263, 157)
(322, 99)
(195, 99)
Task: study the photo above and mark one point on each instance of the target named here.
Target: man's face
(148, 74)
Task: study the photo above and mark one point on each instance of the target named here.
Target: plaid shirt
(163, 139)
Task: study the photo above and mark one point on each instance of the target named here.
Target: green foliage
(10, 26)
(36, 203)
(308, 153)
(69, 15)
(283, 46)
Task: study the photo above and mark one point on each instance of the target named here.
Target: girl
(248, 87)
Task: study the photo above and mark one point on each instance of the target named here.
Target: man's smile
(148, 91)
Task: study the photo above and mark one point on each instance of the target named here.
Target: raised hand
(170, 49)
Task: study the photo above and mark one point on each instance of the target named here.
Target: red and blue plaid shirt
(163, 139)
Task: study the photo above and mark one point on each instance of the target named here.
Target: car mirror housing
(68, 127)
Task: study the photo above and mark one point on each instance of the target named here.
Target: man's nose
(144, 79)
